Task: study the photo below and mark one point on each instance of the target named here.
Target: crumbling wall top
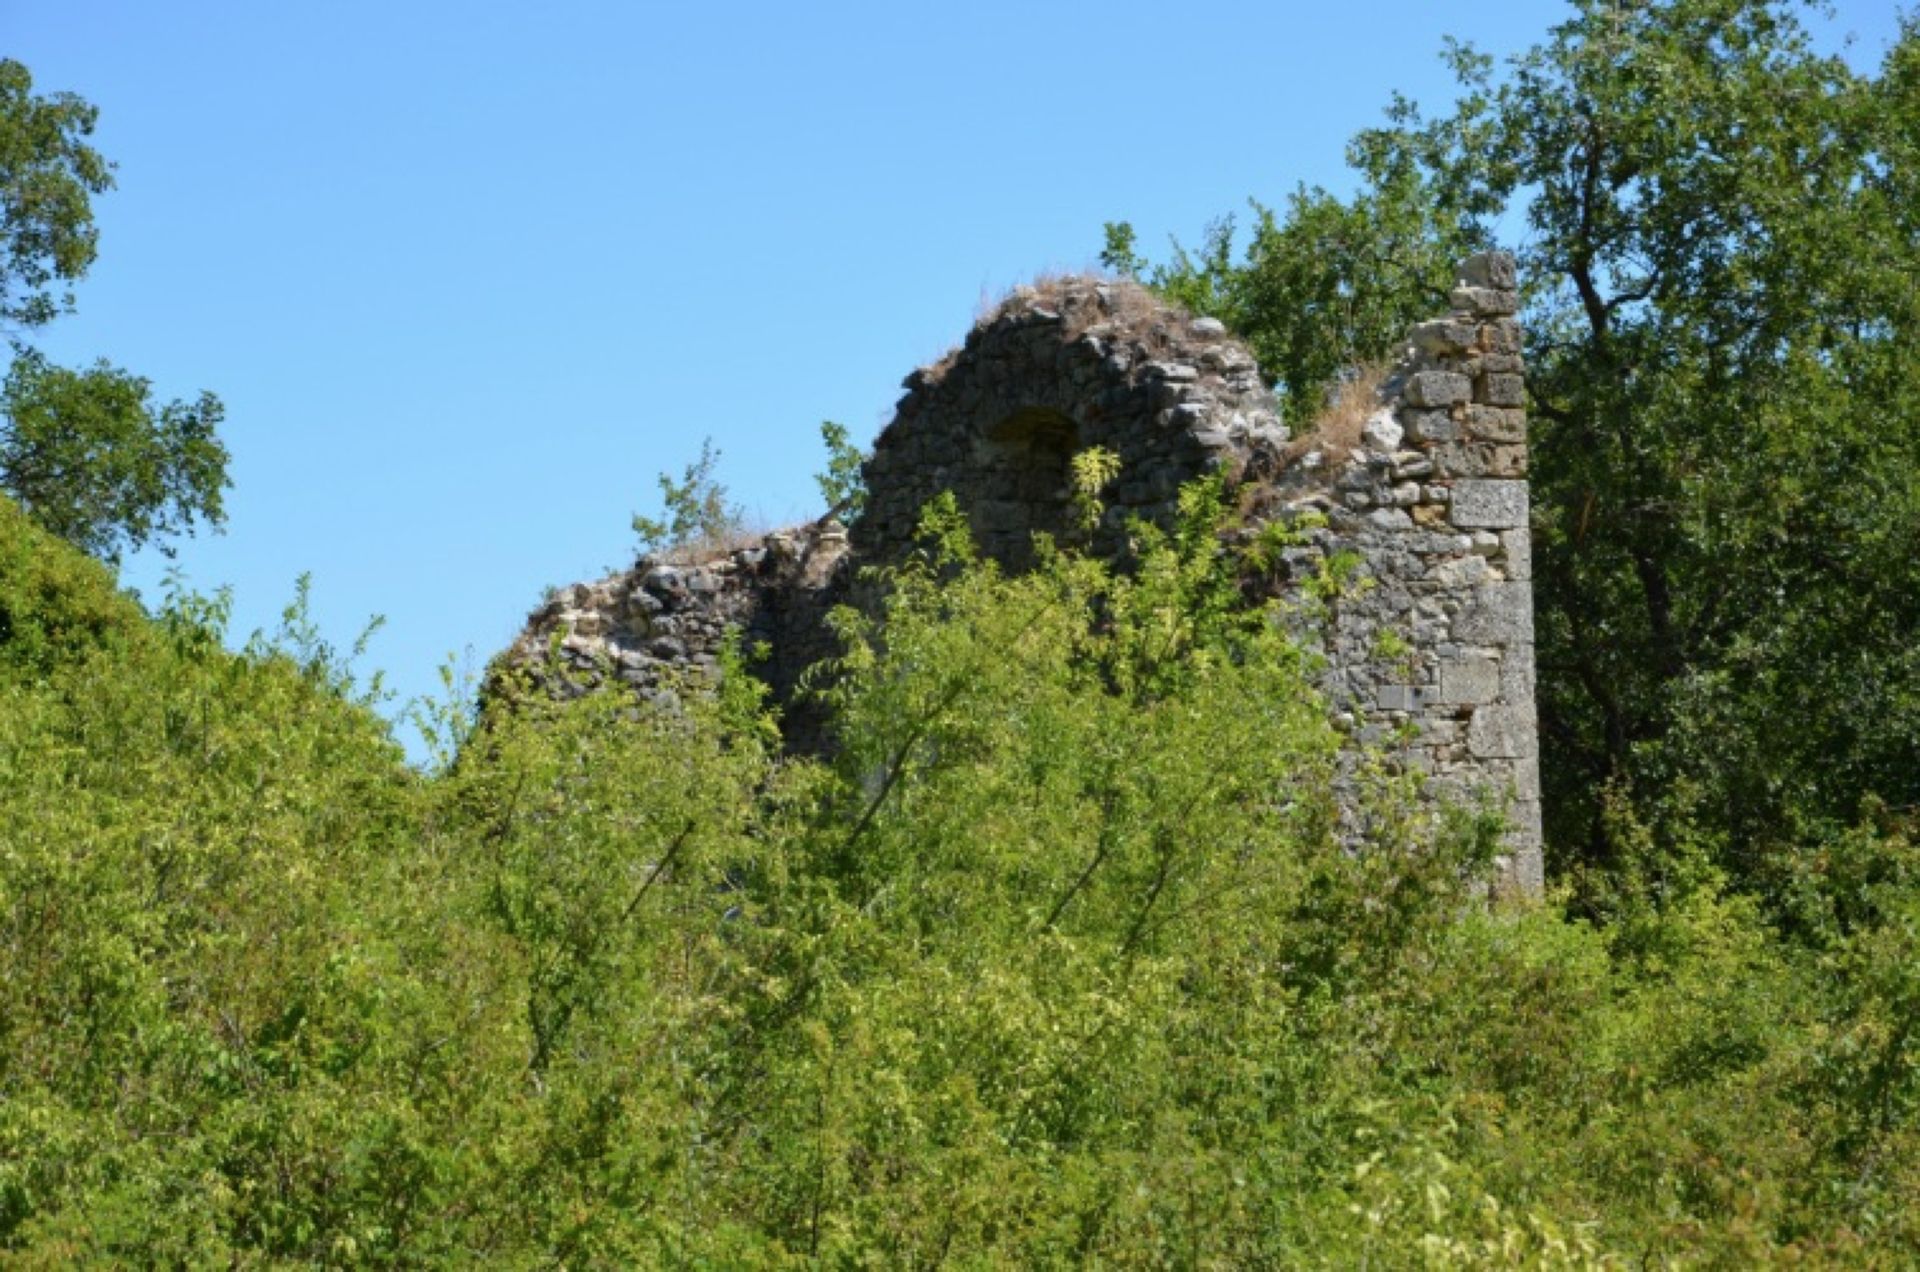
(1067, 364)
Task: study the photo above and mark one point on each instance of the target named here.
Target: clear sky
(468, 275)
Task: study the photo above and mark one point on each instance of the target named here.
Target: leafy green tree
(88, 453)
(842, 485)
(93, 458)
(1325, 285)
(1718, 260)
(695, 508)
(48, 175)
(1057, 963)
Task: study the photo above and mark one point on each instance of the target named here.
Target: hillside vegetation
(1057, 962)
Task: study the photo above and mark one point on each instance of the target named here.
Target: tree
(1326, 285)
(91, 457)
(699, 517)
(48, 175)
(1719, 259)
(89, 454)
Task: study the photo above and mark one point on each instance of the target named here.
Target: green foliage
(695, 511)
(1089, 473)
(54, 606)
(1120, 254)
(842, 485)
(1323, 287)
(92, 458)
(88, 453)
(1057, 962)
(1718, 266)
(48, 175)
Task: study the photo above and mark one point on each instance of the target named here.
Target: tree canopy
(48, 177)
(88, 453)
(1719, 250)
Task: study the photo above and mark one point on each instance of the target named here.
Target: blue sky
(468, 275)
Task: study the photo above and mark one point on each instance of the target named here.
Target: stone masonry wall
(663, 622)
(1056, 369)
(1429, 644)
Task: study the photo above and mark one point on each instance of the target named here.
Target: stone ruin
(1428, 649)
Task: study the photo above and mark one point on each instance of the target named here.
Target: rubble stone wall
(1428, 644)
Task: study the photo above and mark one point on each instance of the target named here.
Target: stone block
(1485, 301)
(1382, 431)
(1519, 550)
(1501, 337)
(1526, 779)
(1496, 424)
(1444, 337)
(1480, 460)
(1498, 614)
(1469, 682)
(1501, 732)
(1466, 571)
(1489, 505)
(1503, 390)
(1430, 426)
(1437, 388)
(1517, 674)
(1490, 269)
(1397, 698)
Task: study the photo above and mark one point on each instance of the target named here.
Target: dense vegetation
(1057, 960)
(1718, 236)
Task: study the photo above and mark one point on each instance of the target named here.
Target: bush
(1056, 962)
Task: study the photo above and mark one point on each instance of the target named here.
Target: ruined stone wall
(1429, 643)
(665, 621)
(1056, 369)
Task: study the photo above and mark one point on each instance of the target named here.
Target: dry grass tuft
(1073, 296)
(1337, 429)
(708, 548)
(1127, 306)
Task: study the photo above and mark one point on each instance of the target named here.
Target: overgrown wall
(1429, 644)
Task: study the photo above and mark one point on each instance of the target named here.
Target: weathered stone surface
(1496, 614)
(1496, 424)
(1489, 505)
(1500, 732)
(1504, 391)
(1470, 681)
(1431, 426)
(1490, 269)
(1518, 545)
(1382, 431)
(1501, 337)
(1438, 388)
(1485, 301)
(1480, 459)
(1444, 336)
